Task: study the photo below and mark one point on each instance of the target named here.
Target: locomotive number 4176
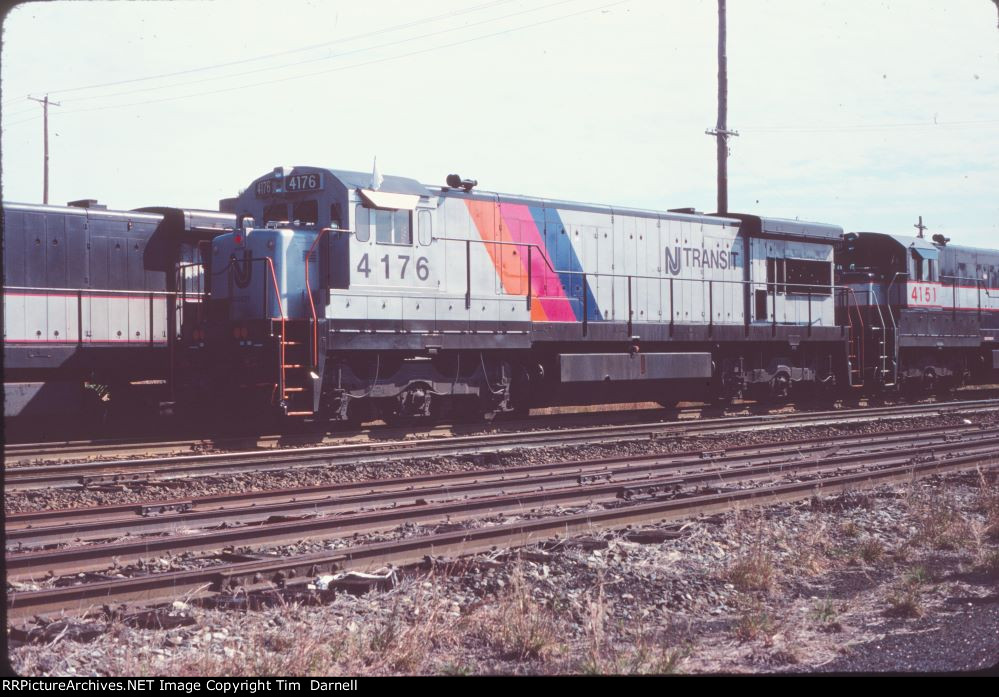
(397, 267)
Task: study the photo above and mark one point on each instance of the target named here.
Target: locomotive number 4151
(924, 295)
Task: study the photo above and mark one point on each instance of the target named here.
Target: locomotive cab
(265, 283)
(920, 316)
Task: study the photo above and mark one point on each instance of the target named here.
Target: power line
(301, 49)
(867, 127)
(362, 49)
(347, 67)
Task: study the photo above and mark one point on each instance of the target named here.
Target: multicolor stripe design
(558, 290)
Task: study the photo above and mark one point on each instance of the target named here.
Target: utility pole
(721, 131)
(45, 111)
(919, 226)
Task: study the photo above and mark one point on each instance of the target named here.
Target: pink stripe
(522, 228)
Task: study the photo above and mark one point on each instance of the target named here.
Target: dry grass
(812, 553)
(517, 627)
(987, 502)
(990, 564)
(938, 518)
(419, 633)
(905, 602)
(755, 571)
(849, 528)
(754, 623)
(905, 598)
(824, 611)
(871, 550)
(420, 636)
(643, 655)
(401, 642)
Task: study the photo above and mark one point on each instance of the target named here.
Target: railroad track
(16, 454)
(159, 469)
(30, 453)
(72, 525)
(631, 490)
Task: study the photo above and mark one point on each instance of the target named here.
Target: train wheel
(520, 392)
(780, 387)
(96, 406)
(930, 382)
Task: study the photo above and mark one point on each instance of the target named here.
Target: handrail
(104, 291)
(959, 278)
(894, 325)
(881, 356)
(570, 272)
(314, 347)
(846, 294)
(198, 296)
(979, 287)
(277, 295)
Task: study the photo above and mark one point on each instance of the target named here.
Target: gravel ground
(19, 501)
(898, 579)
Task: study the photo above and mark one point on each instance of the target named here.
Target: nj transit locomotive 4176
(344, 295)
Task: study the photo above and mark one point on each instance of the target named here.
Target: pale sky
(865, 114)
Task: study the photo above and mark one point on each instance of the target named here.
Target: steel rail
(28, 565)
(136, 470)
(35, 528)
(268, 574)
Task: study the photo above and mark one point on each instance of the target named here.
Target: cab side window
(362, 228)
(392, 227)
(917, 266)
(426, 228)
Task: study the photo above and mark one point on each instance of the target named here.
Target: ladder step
(294, 389)
(293, 343)
(293, 365)
(299, 413)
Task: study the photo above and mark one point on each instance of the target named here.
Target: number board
(290, 185)
(923, 294)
